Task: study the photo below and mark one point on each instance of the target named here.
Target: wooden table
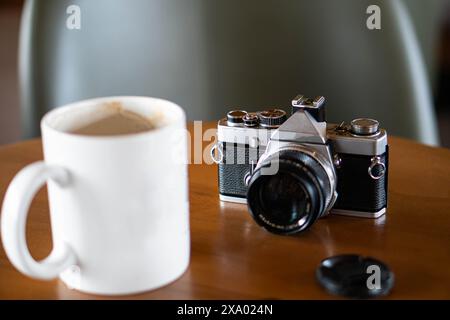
(233, 258)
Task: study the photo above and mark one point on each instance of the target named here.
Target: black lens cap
(355, 276)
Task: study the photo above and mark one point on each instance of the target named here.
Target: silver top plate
(348, 142)
(241, 134)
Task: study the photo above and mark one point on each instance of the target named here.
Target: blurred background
(211, 56)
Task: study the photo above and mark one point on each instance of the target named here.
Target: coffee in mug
(113, 119)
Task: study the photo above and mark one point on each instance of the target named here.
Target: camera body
(346, 164)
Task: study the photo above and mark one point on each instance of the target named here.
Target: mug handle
(17, 201)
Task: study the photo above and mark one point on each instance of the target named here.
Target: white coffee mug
(118, 204)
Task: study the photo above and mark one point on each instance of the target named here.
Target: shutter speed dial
(272, 118)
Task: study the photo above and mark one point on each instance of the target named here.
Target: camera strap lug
(375, 162)
(249, 174)
(217, 157)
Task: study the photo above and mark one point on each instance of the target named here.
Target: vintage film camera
(292, 171)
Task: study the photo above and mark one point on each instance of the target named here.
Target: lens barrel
(293, 198)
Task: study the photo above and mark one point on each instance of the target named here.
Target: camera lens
(293, 198)
(284, 200)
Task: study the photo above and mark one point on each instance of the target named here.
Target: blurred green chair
(210, 56)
